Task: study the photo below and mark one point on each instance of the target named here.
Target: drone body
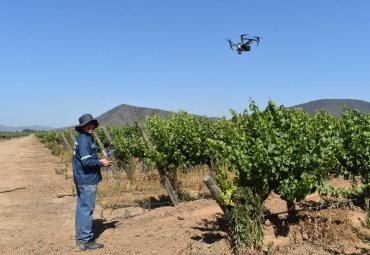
(244, 44)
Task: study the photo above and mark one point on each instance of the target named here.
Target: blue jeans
(86, 196)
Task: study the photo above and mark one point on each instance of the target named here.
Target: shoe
(92, 245)
(80, 246)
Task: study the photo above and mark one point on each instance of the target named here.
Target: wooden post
(65, 141)
(73, 139)
(145, 135)
(100, 144)
(213, 188)
(106, 133)
(164, 179)
(127, 169)
(212, 167)
(122, 163)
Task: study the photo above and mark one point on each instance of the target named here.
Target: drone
(245, 43)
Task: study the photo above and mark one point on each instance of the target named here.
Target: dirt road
(32, 219)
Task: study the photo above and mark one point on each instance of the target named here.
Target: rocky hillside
(334, 106)
(127, 114)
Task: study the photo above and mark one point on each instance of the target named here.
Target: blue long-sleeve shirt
(86, 163)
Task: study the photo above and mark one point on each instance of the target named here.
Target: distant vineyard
(9, 135)
(255, 152)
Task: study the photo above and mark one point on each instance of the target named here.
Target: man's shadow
(100, 225)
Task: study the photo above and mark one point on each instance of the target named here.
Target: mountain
(20, 129)
(37, 128)
(334, 106)
(9, 129)
(128, 114)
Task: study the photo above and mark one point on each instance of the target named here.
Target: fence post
(100, 144)
(73, 139)
(164, 179)
(65, 141)
(211, 166)
(213, 188)
(106, 133)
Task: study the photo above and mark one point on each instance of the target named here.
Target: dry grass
(146, 187)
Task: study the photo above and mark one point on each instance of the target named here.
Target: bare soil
(34, 221)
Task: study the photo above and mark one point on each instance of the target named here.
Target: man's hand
(106, 162)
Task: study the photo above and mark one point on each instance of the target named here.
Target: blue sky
(61, 59)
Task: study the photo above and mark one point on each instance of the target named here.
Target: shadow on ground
(100, 225)
(213, 230)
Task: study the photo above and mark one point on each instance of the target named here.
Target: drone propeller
(242, 37)
(257, 39)
(231, 44)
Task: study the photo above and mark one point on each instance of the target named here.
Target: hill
(334, 106)
(9, 129)
(20, 129)
(127, 114)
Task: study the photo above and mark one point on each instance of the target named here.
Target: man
(86, 175)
